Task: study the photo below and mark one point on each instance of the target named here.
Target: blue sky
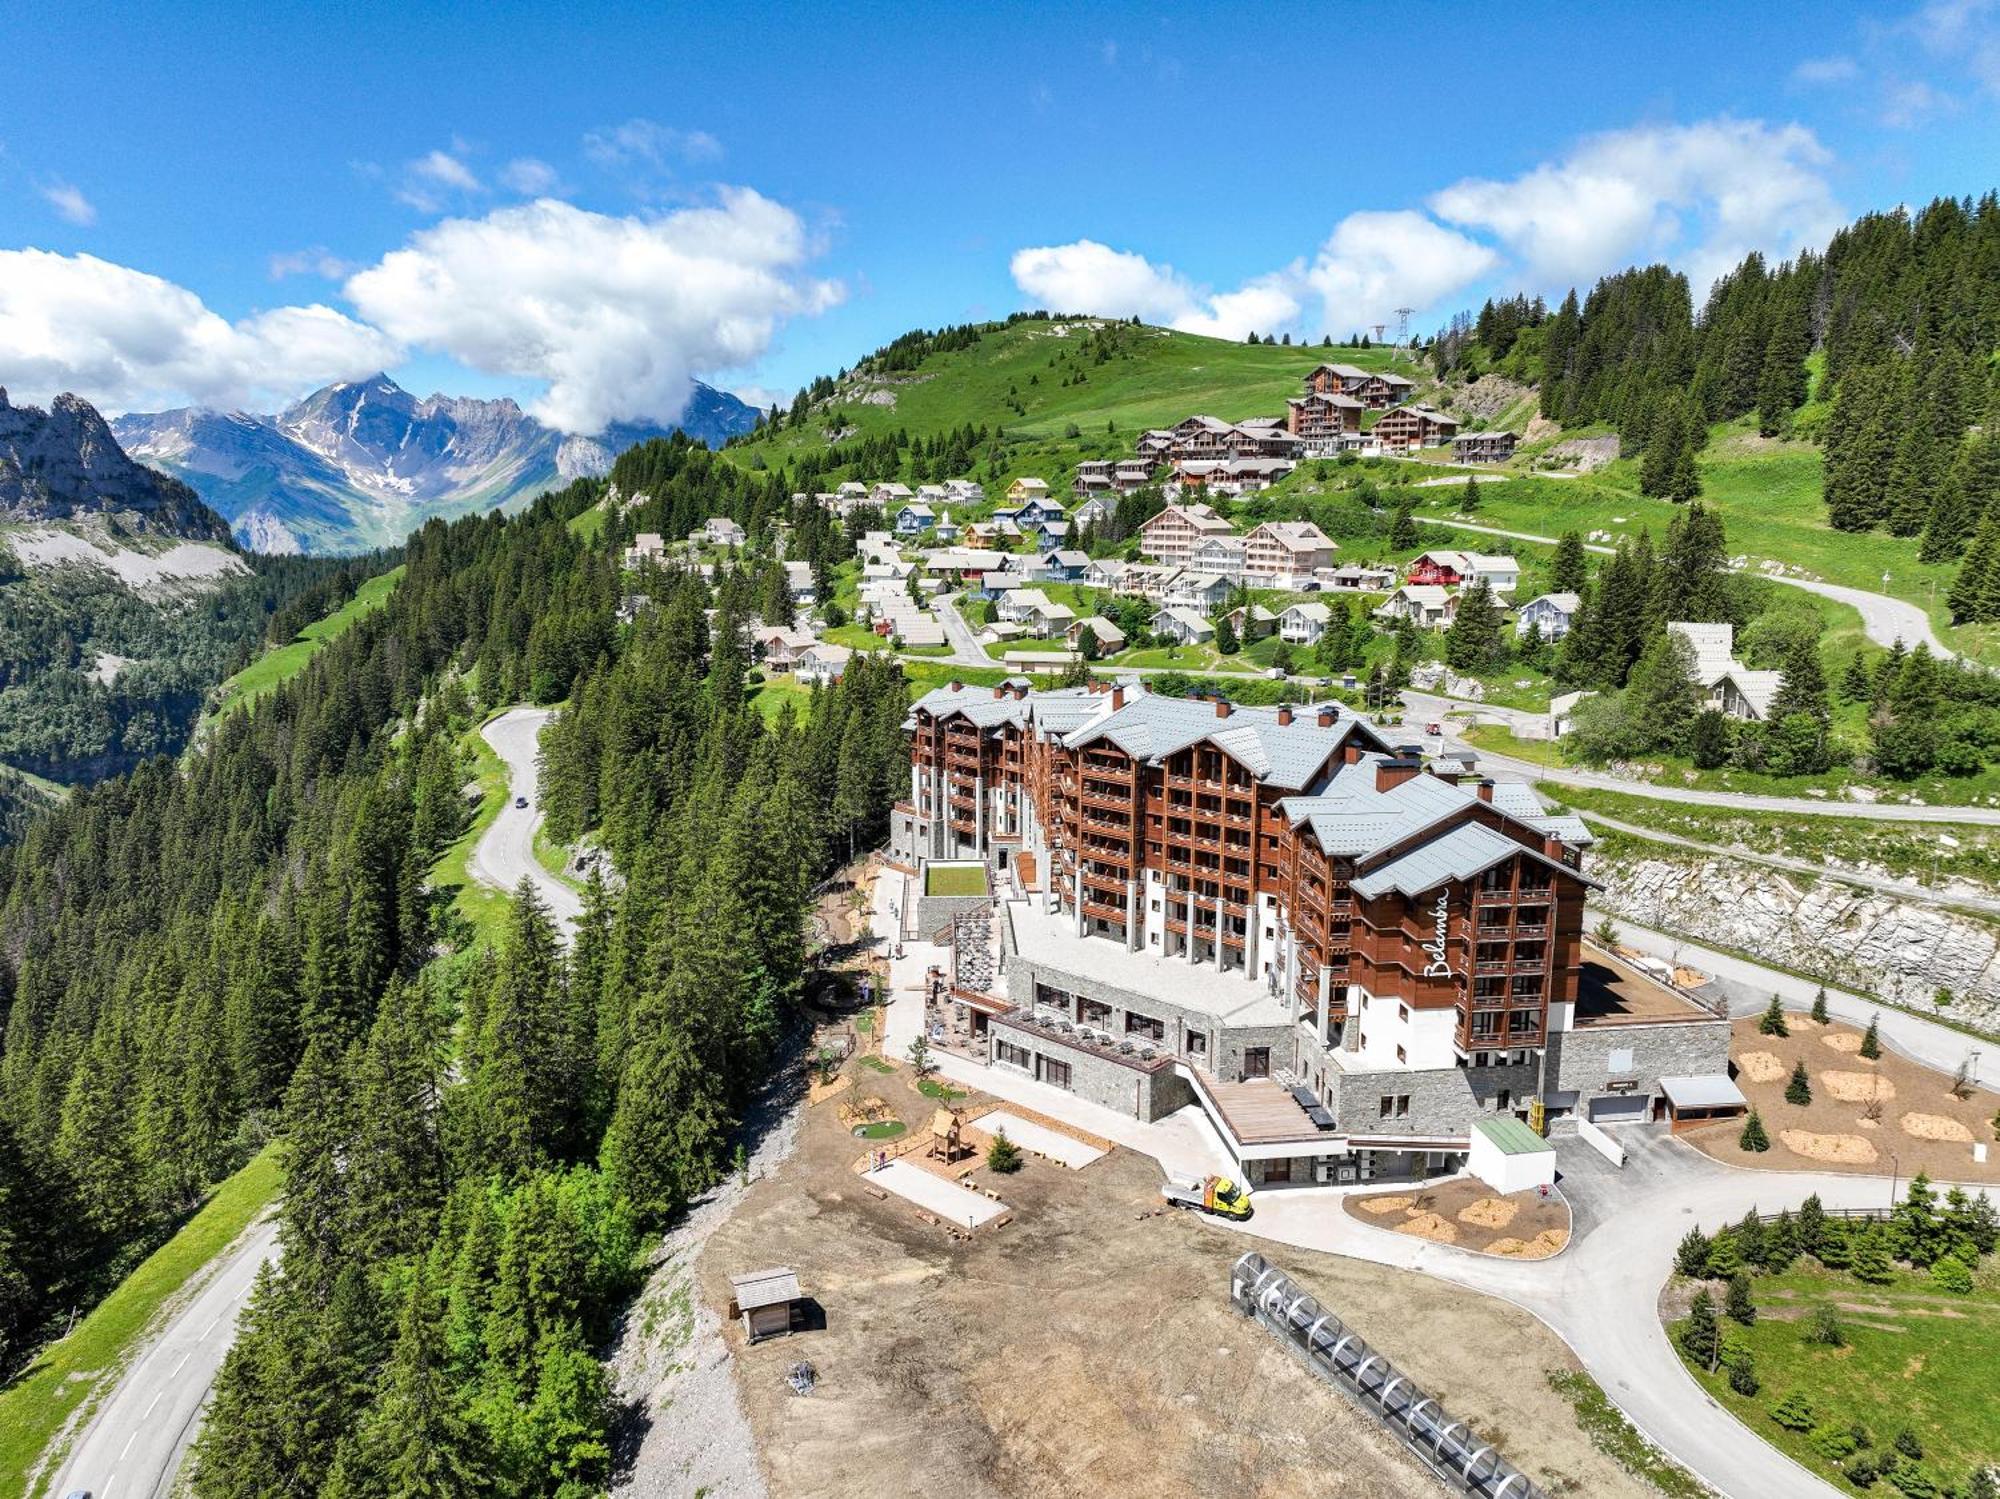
(586, 206)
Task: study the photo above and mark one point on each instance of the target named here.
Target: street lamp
(1895, 1170)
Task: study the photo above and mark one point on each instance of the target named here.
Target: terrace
(1610, 991)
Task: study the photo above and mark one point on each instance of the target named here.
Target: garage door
(1619, 1108)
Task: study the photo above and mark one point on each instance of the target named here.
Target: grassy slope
(288, 660)
(1920, 1358)
(485, 908)
(36, 1406)
(1161, 377)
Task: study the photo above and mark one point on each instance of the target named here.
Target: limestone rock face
(64, 462)
(1863, 940)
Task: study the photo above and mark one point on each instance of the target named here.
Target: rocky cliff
(64, 464)
(1866, 941)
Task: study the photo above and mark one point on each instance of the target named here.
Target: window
(1527, 986)
(1256, 1062)
(1402, 1056)
(1013, 1056)
(1402, 1105)
(1145, 1025)
(1534, 916)
(1197, 1044)
(1054, 1073)
(1403, 1014)
(1393, 1106)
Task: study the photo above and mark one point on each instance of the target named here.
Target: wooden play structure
(948, 1142)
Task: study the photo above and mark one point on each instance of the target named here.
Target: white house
(1285, 553)
(1426, 605)
(1552, 614)
(1020, 605)
(890, 494)
(647, 546)
(823, 663)
(1714, 647)
(1109, 637)
(1217, 556)
(1742, 693)
(1562, 712)
(720, 531)
(799, 580)
(1304, 624)
(1251, 622)
(1183, 626)
(1197, 591)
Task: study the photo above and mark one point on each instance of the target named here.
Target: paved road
(505, 854)
(1600, 1295)
(132, 1448)
(1884, 620)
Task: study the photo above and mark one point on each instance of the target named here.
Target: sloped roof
(1149, 728)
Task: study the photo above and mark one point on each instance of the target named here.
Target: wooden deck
(1263, 1113)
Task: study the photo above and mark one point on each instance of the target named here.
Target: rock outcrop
(1867, 941)
(64, 464)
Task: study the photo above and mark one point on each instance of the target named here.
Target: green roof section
(1511, 1136)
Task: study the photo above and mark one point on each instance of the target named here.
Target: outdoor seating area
(1102, 1042)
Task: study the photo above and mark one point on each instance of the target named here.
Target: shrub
(1742, 1366)
(1872, 1264)
(1823, 1328)
(1908, 1445)
(1912, 1482)
(1753, 1137)
(1795, 1413)
(1772, 1022)
(1833, 1443)
(1951, 1274)
(1862, 1469)
(1003, 1155)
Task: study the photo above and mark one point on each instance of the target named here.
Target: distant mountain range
(362, 464)
(65, 464)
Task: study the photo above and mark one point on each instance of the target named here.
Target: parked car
(520, 801)
(1434, 728)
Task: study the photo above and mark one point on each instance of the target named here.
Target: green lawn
(777, 690)
(282, 662)
(949, 879)
(930, 1087)
(876, 1064)
(883, 1129)
(1915, 1356)
(80, 1367)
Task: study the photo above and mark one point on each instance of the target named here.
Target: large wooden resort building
(1343, 957)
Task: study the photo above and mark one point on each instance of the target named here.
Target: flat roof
(1511, 1137)
(1230, 996)
(764, 1288)
(1610, 991)
(1711, 1091)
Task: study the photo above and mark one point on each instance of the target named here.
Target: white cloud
(615, 315)
(1086, 276)
(314, 260)
(69, 203)
(529, 176)
(649, 143)
(1703, 195)
(1375, 263)
(1826, 70)
(433, 178)
(128, 341)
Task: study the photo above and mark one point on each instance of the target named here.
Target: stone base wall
(1132, 1091)
(935, 912)
(1443, 1100)
(1580, 1060)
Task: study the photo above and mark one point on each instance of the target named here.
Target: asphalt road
(1883, 620)
(505, 853)
(132, 1448)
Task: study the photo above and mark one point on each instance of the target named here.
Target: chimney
(1118, 696)
(956, 685)
(1485, 789)
(1324, 719)
(1222, 708)
(1392, 773)
(1284, 714)
(1020, 690)
(1000, 690)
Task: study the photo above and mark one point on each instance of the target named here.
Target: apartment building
(1342, 957)
(1408, 427)
(1171, 536)
(1285, 553)
(1320, 420)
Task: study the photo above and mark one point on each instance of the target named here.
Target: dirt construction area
(1086, 1345)
(1469, 1214)
(1862, 1112)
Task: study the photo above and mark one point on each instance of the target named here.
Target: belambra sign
(1440, 964)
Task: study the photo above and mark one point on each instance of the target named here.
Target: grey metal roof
(1465, 851)
(1713, 1091)
(1150, 728)
(764, 1288)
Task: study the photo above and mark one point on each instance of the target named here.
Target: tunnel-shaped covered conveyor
(1450, 1448)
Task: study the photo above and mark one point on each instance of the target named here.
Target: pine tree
(1691, 1258)
(1468, 500)
(1819, 1014)
(1569, 569)
(1476, 639)
(1003, 1155)
(1799, 1089)
(1403, 533)
(1772, 1021)
(1753, 1139)
(1701, 1335)
(1871, 1264)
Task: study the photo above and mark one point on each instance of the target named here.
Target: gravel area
(682, 1429)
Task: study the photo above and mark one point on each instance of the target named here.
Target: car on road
(520, 801)
(1434, 728)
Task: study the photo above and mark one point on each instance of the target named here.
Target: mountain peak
(66, 462)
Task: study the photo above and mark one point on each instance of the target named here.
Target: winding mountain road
(132, 1448)
(505, 853)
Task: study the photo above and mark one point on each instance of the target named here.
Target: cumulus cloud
(1704, 194)
(529, 176)
(314, 260)
(649, 143)
(1087, 276)
(130, 341)
(436, 177)
(69, 203)
(614, 315)
(1374, 263)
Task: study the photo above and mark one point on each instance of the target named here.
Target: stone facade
(935, 912)
(1580, 1060)
(1443, 1100)
(1145, 1092)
